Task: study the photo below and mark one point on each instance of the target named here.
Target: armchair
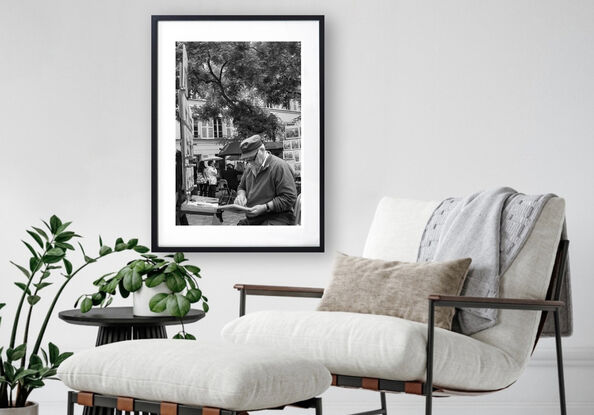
(389, 354)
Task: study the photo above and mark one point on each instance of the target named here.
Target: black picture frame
(156, 243)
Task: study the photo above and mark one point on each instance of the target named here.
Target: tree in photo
(237, 78)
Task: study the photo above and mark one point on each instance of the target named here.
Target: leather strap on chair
(125, 404)
(333, 380)
(370, 383)
(168, 408)
(415, 388)
(211, 411)
(85, 398)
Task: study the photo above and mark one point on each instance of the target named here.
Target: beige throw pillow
(393, 288)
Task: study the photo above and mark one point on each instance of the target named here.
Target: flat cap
(249, 147)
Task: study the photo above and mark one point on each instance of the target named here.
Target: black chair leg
(70, 407)
(318, 406)
(560, 363)
(429, 377)
(383, 401)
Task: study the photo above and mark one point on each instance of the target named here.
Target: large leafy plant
(27, 365)
(150, 270)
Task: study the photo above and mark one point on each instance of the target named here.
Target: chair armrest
(280, 291)
(504, 303)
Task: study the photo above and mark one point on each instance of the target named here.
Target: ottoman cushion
(223, 375)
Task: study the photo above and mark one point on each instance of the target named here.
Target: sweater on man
(272, 182)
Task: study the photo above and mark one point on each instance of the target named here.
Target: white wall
(424, 100)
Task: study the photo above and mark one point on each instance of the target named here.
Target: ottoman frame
(137, 406)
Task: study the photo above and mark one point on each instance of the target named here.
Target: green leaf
(171, 267)
(16, 353)
(102, 278)
(178, 336)
(35, 362)
(120, 247)
(204, 298)
(42, 285)
(34, 263)
(30, 248)
(193, 269)
(53, 255)
(132, 243)
(35, 383)
(194, 295)
(190, 336)
(158, 303)
(104, 250)
(175, 282)
(100, 241)
(82, 250)
(41, 232)
(23, 269)
(64, 245)
(88, 259)
(154, 280)
(85, 306)
(141, 249)
(55, 224)
(67, 266)
(44, 354)
(54, 352)
(111, 285)
(62, 227)
(33, 299)
(2, 305)
(8, 371)
(97, 298)
(61, 358)
(23, 287)
(205, 307)
(21, 373)
(123, 291)
(36, 237)
(132, 281)
(178, 257)
(177, 305)
(65, 236)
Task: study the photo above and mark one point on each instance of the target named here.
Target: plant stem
(26, 335)
(55, 300)
(17, 315)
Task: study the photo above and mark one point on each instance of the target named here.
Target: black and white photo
(238, 133)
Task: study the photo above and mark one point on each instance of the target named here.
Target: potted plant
(160, 286)
(25, 365)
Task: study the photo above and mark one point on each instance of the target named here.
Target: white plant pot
(32, 408)
(141, 300)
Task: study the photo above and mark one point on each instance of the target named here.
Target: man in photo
(267, 186)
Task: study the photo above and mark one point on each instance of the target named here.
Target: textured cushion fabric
(393, 288)
(194, 373)
(377, 346)
(397, 228)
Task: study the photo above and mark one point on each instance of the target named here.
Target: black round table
(119, 324)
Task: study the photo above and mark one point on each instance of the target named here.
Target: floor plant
(24, 363)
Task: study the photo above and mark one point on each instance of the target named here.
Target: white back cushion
(397, 228)
(396, 232)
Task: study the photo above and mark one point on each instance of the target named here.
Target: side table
(119, 324)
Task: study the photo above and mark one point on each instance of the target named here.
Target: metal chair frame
(427, 388)
(126, 405)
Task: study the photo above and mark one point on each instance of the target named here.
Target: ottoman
(191, 377)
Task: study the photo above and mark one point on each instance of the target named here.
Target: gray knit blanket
(491, 227)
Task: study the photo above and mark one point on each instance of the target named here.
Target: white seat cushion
(377, 346)
(194, 373)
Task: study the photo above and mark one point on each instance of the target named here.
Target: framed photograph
(238, 133)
